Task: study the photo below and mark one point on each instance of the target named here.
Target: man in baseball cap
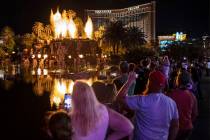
(156, 115)
(156, 82)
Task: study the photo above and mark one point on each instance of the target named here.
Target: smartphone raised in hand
(114, 74)
(137, 75)
(67, 101)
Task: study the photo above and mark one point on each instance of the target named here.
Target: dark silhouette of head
(124, 67)
(60, 126)
(184, 79)
(99, 89)
(105, 93)
(132, 67)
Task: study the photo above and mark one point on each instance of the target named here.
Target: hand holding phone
(114, 74)
(67, 101)
(137, 75)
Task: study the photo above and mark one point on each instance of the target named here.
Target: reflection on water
(60, 87)
(56, 86)
(1, 74)
(43, 82)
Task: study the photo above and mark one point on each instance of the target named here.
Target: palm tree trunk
(114, 49)
(117, 48)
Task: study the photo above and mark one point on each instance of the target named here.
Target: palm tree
(98, 36)
(48, 31)
(2, 52)
(80, 27)
(134, 38)
(115, 34)
(99, 33)
(7, 32)
(9, 40)
(38, 29)
(70, 14)
(28, 40)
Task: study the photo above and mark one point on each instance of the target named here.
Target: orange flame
(72, 28)
(89, 28)
(62, 25)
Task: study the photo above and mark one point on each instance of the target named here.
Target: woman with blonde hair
(91, 119)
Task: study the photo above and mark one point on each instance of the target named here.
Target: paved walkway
(202, 125)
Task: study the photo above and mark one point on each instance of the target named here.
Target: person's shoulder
(117, 79)
(103, 108)
(167, 98)
(136, 97)
(190, 94)
(171, 102)
(121, 78)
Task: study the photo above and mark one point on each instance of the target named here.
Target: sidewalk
(202, 125)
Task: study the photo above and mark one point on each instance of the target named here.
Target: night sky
(189, 16)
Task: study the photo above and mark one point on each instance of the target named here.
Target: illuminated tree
(28, 40)
(98, 36)
(48, 32)
(70, 14)
(80, 27)
(99, 33)
(64, 14)
(2, 52)
(38, 29)
(9, 40)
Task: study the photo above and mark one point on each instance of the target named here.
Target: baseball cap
(157, 78)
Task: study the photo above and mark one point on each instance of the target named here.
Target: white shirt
(153, 114)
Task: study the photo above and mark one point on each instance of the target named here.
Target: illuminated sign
(133, 8)
(103, 11)
(166, 41)
(166, 38)
(180, 36)
(175, 37)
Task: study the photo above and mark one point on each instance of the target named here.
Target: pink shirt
(99, 132)
(187, 108)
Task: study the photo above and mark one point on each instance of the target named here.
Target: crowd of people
(153, 100)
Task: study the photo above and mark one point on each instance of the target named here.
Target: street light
(45, 56)
(39, 55)
(33, 72)
(81, 56)
(69, 56)
(104, 56)
(204, 41)
(45, 72)
(33, 56)
(39, 71)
